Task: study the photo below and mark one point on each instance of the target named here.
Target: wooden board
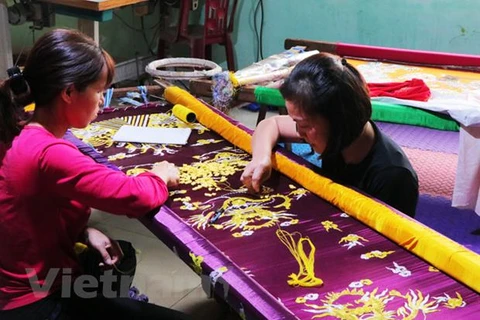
(96, 5)
(201, 87)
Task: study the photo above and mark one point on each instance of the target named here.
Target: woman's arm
(75, 176)
(109, 249)
(265, 137)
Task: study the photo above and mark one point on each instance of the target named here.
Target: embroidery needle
(218, 213)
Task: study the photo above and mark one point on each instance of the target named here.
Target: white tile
(200, 307)
(247, 117)
(128, 224)
(96, 217)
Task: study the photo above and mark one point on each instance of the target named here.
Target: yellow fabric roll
(183, 113)
(440, 251)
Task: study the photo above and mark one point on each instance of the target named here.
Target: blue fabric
(305, 151)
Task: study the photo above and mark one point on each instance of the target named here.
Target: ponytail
(14, 96)
(60, 58)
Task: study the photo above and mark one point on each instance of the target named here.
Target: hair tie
(18, 84)
(344, 62)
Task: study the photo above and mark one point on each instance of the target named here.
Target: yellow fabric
(234, 80)
(443, 253)
(30, 107)
(436, 78)
(79, 247)
(306, 262)
(183, 113)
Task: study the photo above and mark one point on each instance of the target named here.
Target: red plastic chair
(217, 29)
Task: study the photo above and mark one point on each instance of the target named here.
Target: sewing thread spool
(183, 113)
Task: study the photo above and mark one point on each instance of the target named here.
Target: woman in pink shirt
(47, 186)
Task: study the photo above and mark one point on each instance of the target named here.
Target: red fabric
(405, 55)
(415, 89)
(47, 187)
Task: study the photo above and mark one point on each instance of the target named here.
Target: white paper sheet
(152, 135)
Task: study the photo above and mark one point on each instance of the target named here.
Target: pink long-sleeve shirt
(47, 187)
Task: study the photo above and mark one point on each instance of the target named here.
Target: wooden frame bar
(101, 5)
(406, 56)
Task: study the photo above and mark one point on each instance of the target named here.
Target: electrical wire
(170, 3)
(155, 35)
(261, 29)
(24, 43)
(142, 23)
(131, 27)
(143, 29)
(126, 23)
(259, 34)
(255, 28)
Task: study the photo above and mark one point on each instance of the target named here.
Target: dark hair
(59, 59)
(328, 86)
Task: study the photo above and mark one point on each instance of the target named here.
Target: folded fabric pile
(415, 89)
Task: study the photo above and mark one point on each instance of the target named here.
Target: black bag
(118, 278)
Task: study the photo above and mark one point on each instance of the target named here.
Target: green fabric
(269, 96)
(386, 112)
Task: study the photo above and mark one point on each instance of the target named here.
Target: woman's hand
(256, 173)
(109, 249)
(167, 172)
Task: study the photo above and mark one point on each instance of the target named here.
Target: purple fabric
(271, 262)
(88, 150)
(266, 294)
(462, 226)
(175, 233)
(421, 138)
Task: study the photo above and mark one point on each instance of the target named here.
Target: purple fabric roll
(421, 138)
